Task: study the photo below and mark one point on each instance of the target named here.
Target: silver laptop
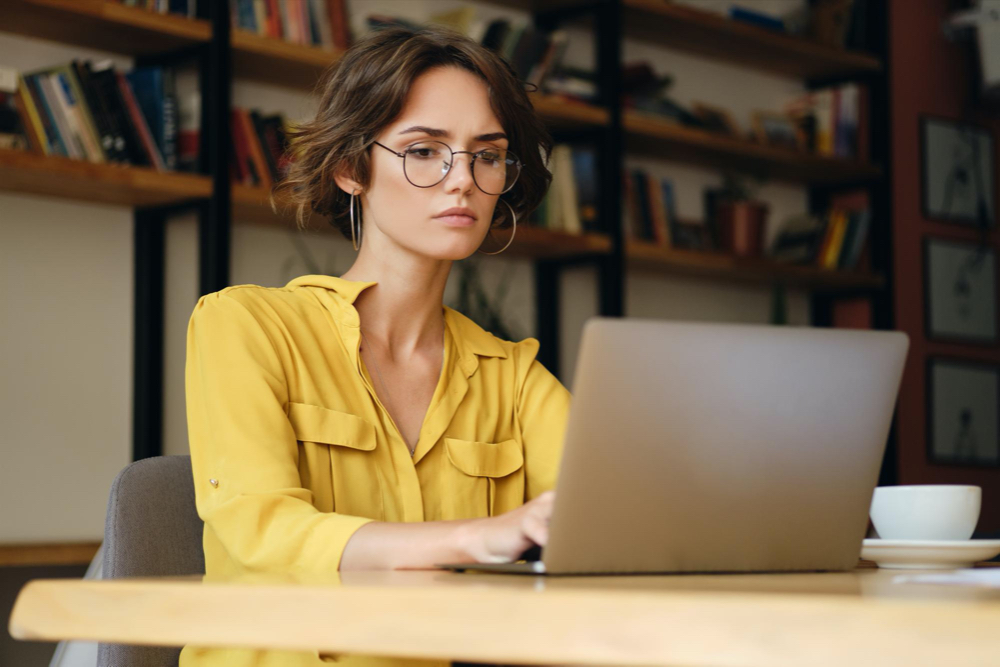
(719, 448)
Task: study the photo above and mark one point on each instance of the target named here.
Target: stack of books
(260, 156)
(835, 240)
(649, 214)
(833, 121)
(89, 111)
(570, 204)
(321, 23)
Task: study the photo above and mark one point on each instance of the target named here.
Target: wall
(928, 75)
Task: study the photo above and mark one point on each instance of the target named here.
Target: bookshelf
(277, 62)
(99, 24)
(100, 183)
(740, 270)
(706, 34)
(647, 134)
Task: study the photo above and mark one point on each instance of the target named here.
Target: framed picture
(960, 288)
(963, 412)
(716, 119)
(776, 129)
(959, 172)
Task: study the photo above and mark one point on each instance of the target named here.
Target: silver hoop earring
(355, 237)
(512, 235)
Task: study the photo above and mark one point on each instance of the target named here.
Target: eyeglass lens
(427, 163)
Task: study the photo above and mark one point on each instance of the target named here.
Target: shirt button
(214, 482)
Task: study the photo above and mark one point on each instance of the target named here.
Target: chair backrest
(152, 529)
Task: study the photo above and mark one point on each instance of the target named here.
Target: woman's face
(446, 104)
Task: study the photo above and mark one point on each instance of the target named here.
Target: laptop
(718, 448)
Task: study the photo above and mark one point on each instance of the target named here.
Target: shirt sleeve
(244, 453)
(543, 410)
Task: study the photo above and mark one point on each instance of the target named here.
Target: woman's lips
(457, 220)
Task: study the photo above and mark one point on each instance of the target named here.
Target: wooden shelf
(654, 136)
(715, 36)
(99, 24)
(24, 172)
(651, 257)
(564, 113)
(250, 205)
(278, 62)
(70, 553)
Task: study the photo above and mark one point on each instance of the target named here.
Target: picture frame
(963, 412)
(960, 292)
(958, 172)
(716, 119)
(772, 128)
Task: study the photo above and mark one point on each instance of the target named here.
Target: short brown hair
(366, 89)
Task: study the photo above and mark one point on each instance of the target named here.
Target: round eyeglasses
(426, 163)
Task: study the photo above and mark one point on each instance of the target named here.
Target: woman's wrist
(470, 541)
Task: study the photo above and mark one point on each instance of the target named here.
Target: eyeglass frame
(472, 164)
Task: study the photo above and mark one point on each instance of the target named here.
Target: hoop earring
(357, 236)
(513, 234)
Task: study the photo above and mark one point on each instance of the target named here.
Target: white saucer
(928, 554)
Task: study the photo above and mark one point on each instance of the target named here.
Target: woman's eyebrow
(434, 132)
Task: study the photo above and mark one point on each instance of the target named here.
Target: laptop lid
(721, 447)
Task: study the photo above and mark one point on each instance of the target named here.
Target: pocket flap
(484, 459)
(318, 424)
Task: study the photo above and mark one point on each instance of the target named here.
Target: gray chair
(152, 529)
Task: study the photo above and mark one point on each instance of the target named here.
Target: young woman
(357, 422)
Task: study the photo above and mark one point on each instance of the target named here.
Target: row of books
(90, 111)
(835, 240)
(259, 147)
(321, 23)
(649, 213)
(570, 204)
(187, 8)
(833, 120)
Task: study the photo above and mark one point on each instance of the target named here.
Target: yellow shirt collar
(470, 337)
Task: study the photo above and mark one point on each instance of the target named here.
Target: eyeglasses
(425, 164)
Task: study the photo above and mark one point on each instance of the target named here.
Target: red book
(274, 19)
(254, 149)
(339, 24)
(139, 121)
(241, 150)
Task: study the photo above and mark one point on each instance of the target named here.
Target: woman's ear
(347, 184)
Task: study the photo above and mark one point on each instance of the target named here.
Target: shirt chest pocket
(482, 478)
(337, 460)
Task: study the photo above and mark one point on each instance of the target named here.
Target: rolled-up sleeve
(542, 410)
(244, 452)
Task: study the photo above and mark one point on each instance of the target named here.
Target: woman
(356, 422)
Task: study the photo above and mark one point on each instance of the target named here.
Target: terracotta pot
(741, 227)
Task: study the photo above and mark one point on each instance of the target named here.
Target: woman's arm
(500, 539)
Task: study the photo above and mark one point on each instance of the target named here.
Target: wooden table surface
(844, 618)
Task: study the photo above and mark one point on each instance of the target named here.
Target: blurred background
(787, 162)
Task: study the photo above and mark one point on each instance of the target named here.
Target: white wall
(66, 292)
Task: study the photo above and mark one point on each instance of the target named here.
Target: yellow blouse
(292, 451)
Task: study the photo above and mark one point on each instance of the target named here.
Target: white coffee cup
(926, 512)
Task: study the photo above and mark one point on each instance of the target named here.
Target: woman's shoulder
(484, 343)
(269, 307)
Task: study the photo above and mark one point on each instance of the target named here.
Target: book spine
(91, 134)
(59, 112)
(139, 122)
(46, 115)
(33, 121)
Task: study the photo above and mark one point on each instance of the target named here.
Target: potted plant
(741, 219)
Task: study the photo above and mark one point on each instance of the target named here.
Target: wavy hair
(366, 90)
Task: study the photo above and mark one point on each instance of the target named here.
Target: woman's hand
(503, 538)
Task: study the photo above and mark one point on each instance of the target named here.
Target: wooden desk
(850, 618)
